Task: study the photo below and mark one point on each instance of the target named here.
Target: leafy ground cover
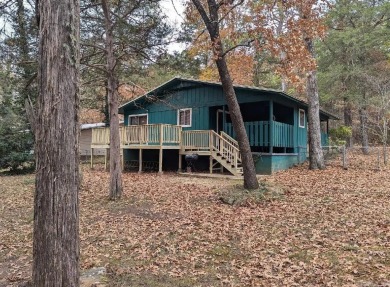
(327, 228)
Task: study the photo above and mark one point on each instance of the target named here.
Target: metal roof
(243, 87)
(91, 126)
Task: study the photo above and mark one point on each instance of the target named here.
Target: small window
(135, 120)
(184, 117)
(301, 118)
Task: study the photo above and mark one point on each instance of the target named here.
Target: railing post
(271, 126)
(161, 134)
(180, 136)
(210, 140)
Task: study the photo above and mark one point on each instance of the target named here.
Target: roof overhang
(178, 80)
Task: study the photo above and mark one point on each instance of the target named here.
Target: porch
(222, 149)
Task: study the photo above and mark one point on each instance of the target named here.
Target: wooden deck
(222, 149)
(142, 136)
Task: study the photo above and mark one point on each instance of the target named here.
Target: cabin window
(301, 118)
(135, 120)
(184, 117)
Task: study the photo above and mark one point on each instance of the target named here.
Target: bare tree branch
(247, 44)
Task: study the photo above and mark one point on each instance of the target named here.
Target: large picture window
(302, 117)
(135, 120)
(184, 117)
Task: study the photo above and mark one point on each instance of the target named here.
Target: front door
(221, 118)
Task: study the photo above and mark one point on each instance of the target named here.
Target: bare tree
(316, 156)
(113, 102)
(211, 20)
(118, 36)
(56, 128)
(379, 83)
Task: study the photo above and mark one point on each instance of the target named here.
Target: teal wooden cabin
(276, 124)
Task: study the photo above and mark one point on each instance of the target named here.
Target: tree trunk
(385, 127)
(56, 212)
(113, 102)
(106, 107)
(250, 179)
(363, 129)
(212, 24)
(316, 156)
(348, 119)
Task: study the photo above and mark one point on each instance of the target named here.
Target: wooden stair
(222, 149)
(228, 165)
(225, 151)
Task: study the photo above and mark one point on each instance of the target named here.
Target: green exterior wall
(200, 99)
(269, 163)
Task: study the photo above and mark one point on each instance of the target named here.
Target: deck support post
(160, 160)
(211, 164)
(140, 161)
(180, 163)
(91, 158)
(271, 126)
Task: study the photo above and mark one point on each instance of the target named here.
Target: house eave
(238, 87)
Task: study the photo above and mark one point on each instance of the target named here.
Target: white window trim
(178, 117)
(139, 115)
(304, 118)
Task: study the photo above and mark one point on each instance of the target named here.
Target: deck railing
(100, 136)
(196, 140)
(259, 133)
(229, 139)
(227, 150)
(154, 134)
(283, 135)
(208, 140)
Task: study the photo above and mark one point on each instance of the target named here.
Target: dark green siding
(267, 163)
(206, 99)
(200, 99)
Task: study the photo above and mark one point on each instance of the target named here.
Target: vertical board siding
(258, 132)
(324, 139)
(283, 135)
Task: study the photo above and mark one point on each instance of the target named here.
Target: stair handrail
(229, 139)
(233, 152)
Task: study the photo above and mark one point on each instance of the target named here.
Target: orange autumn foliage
(240, 66)
(90, 116)
(277, 28)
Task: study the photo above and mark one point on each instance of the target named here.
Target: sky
(174, 9)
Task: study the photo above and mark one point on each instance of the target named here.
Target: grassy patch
(159, 280)
(237, 195)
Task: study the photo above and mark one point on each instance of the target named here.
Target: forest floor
(327, 228)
